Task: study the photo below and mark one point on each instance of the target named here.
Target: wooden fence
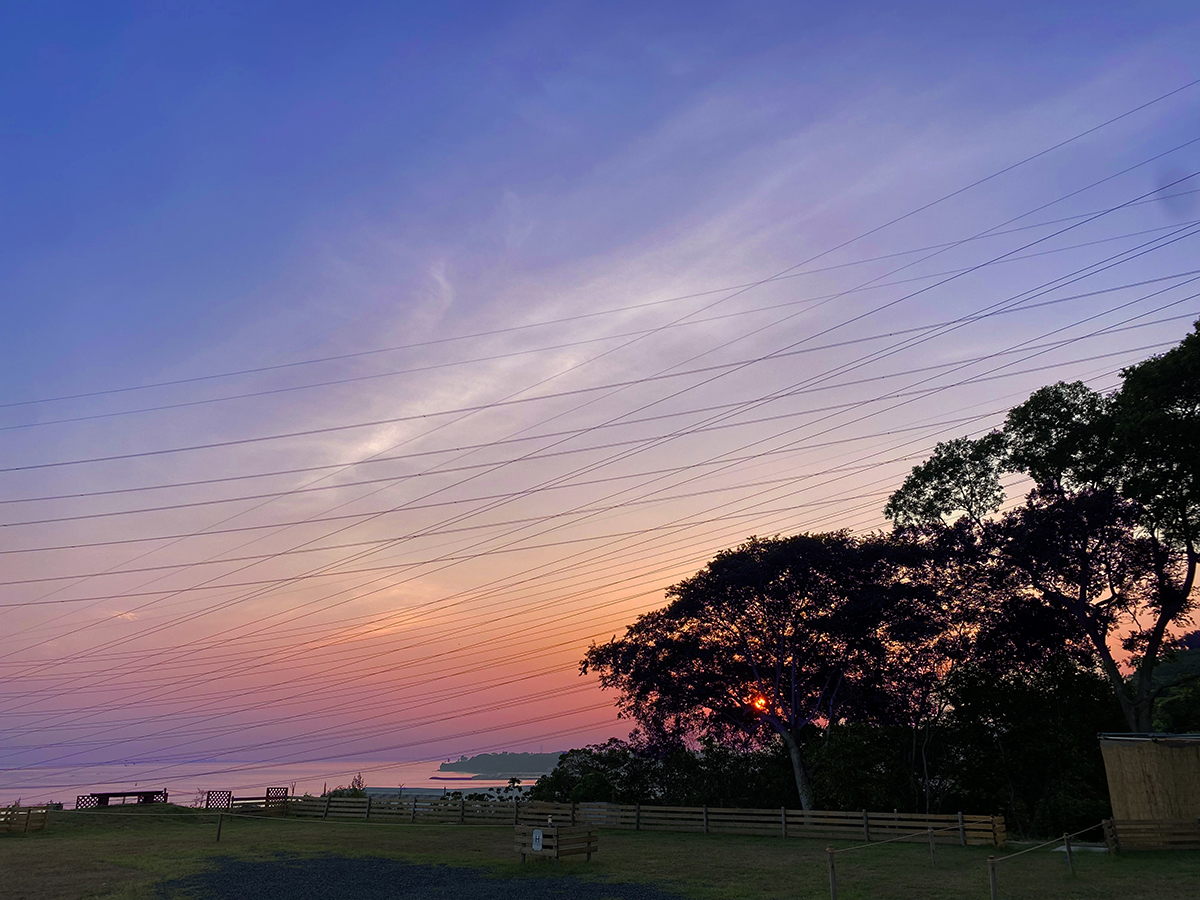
(556, 841)
(23, 818)
(861, 825)
(1148, 834)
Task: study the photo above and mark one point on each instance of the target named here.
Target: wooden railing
(1146, 834)
(23, 818)
(556, 841)
(861, 825)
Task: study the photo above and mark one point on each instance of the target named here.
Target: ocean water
(187, 782)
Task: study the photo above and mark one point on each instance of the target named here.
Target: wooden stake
(932, 849)
(962, 831)
(220, 822)
(832, 874)
(866, 827)
(992, 876)
(1070, 860)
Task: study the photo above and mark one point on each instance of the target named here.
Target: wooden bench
(556, 841)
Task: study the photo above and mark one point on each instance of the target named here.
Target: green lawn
(122, 853)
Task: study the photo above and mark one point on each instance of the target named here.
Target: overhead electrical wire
(1042, 207)
(861, 236)
(457, 501)
(375, 376)
(491, 444)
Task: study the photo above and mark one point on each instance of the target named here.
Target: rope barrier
(928, 833)
(1056, 840)
(1065, 840)
(903, 837)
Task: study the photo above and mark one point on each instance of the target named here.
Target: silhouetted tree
(1110, 531)
(774, 636)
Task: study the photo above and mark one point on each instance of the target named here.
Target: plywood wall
(1153, 779)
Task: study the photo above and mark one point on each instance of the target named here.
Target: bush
(356, 788)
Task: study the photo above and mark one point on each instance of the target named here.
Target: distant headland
(504, 765)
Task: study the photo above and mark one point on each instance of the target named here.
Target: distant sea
(185, 782)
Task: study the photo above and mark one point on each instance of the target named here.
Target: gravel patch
(374, 878)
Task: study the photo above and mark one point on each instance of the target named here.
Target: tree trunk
(1099, 638)
(803, 785)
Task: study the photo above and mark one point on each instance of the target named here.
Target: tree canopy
(969, 624)
(1110, 530)
(773, 636)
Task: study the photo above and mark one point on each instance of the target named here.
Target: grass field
(122, 854)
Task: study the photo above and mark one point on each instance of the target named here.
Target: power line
(876, 229)
(503, 496)
(1027, 292)
(544, 435)
(246, 497)
(191, 404)
(1101, 181)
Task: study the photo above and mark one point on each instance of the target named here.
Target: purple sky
(525, 253)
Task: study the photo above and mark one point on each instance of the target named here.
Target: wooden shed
(1153, 776)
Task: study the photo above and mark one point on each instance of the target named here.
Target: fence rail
(861, 825)
(1145, 834)
(23, 818)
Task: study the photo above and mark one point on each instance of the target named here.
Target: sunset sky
(363, 363)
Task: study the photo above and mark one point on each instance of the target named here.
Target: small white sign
(537, 839)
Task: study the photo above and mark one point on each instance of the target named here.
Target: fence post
(832, 874)
(412, 816)
(992, 876)
(367, 814)
(462, 810)
(1067, 845)
(999, 833)
(706, 818)
(962, 831)
(572, 812)
(866, 827)
(516, 813)
(637, 817)
(783, 821)
(932, 849)
(220, 822)
(1110, 836)
(325, 815)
